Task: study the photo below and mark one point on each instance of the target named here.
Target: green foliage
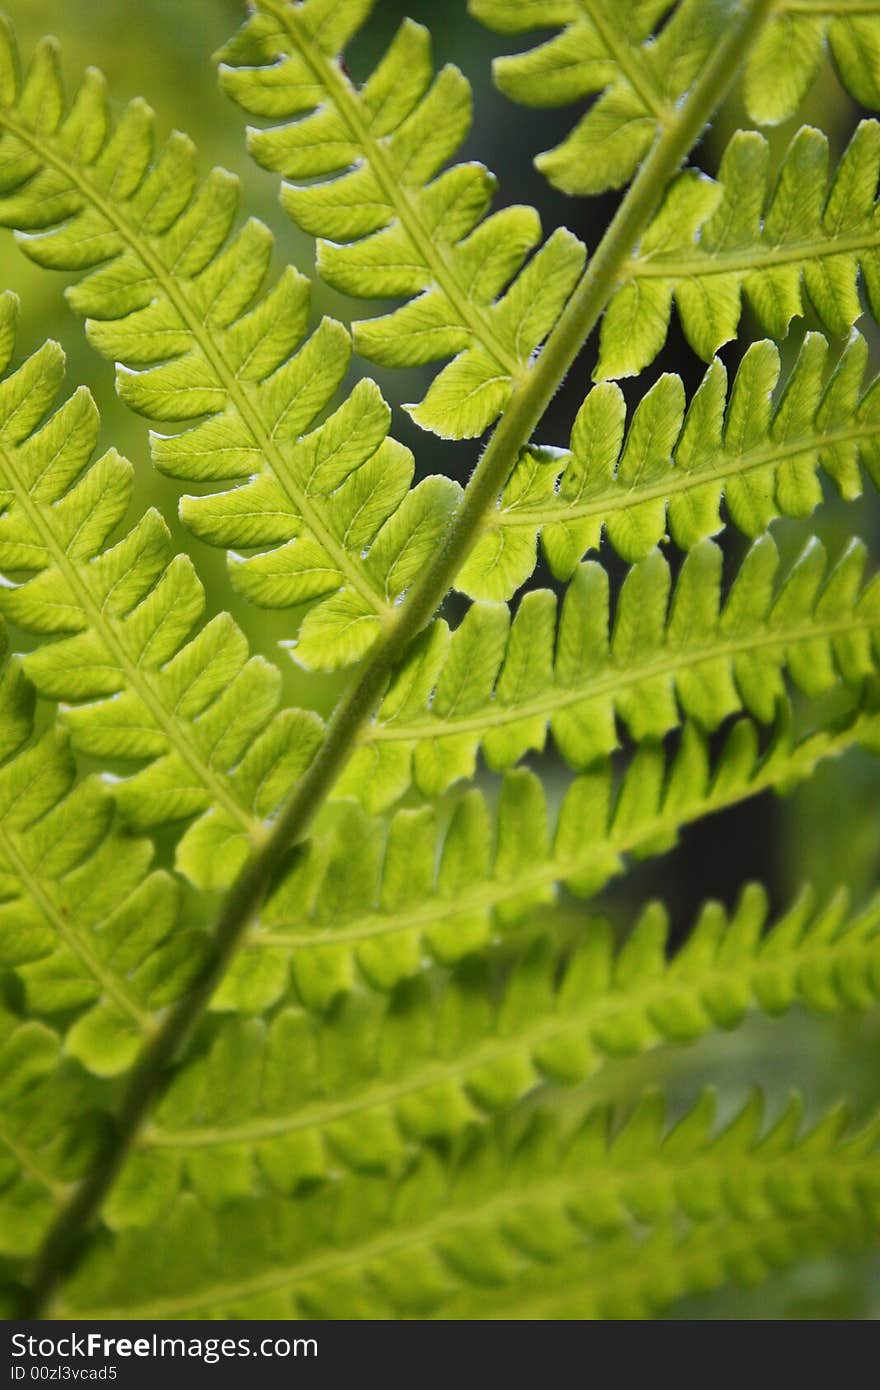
(428, 1063)
(383, 900)
(367, 1250)
(496, 686)
(713, 242)
(309, 1018)
(608, 48)
(175, 298)
(45, 1146)
(89, 929)
(204, 715)
(390, 224)
(673, 467)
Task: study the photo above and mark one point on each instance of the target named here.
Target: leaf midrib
(677, 480)
(58, 1191)
(627, 58)
(64, 926)
(745, 260)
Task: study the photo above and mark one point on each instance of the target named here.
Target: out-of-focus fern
(89, 929)
(382, 900)
(508, 1203)
(432, 1063)
(336, 1088)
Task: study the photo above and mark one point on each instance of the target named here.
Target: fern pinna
(338, 966)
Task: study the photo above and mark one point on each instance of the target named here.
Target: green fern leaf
(671, 468)
(606, 49)
(367, 1250)
(713, 242)
(176, 300)
(788, 54)
(360, 900)
(496, 686)
(364, 1093)
(384, 1074)
(140, 685)
(390, 223)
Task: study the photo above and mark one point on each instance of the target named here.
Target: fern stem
(528, 403)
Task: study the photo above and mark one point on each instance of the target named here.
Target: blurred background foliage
(827, 832)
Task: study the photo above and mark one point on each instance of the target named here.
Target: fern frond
(146, 680)
(605, 48)
(381, 1074)
(673, 467)
(497, 687)
(364, 172)
(712, 243)
(363, 899)
(176, 299)
(787, 56)
(365, 1249)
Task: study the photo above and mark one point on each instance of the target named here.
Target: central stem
(524, 412)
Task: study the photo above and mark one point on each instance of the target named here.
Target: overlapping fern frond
(89, 928)
(361, 901)
(145, 679)
(757, 449)
(604, 48)
(639, 56)
(347, 1097)
(364, 172)
(498, 686)
(174, 295)
(48, 1131)
(364, 1249)
(714, 243)
(435, 1058)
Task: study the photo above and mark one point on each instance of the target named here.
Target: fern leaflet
(362, 901)
(201, 711)
(89, 929)
(671, 469)
(607, 48)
